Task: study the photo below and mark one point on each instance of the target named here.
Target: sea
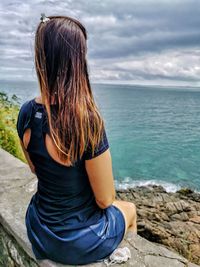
(153, 131)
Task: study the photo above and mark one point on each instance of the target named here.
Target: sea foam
(130, 183)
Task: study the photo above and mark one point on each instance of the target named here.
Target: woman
(73, 218)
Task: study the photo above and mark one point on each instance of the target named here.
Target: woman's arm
(99, 170)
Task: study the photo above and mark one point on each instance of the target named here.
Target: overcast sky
(136, 42)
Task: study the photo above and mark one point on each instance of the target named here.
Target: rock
(171, 219)
(11, 253)
(185, 191)
(195, 219)
(154, 261)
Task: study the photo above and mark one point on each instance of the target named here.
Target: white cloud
(128, 41)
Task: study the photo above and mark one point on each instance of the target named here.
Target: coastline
(169, 187)
(168, 218)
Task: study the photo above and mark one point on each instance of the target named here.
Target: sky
(149, 42)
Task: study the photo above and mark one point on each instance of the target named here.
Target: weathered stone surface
(154, 261)
(18, 184)
(11, 254)
(171, 219)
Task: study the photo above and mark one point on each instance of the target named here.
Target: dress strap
(39, 121)
(24, 119)
(32, 116)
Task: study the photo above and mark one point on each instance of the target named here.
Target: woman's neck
(38, 99)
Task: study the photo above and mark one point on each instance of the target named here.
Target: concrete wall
(17, 185)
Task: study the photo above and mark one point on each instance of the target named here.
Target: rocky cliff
(171, 219)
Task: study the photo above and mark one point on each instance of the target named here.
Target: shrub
(9, 139)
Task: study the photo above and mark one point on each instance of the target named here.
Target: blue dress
(63, 221)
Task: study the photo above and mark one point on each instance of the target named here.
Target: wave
(129, 183)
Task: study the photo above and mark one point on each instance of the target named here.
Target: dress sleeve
(103, 146)
(24, 119)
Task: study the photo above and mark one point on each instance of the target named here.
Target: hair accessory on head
(44, 18)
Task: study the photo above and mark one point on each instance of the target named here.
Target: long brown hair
(61, 66)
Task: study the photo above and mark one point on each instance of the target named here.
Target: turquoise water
(154, 133)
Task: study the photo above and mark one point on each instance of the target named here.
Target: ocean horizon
(153, 131)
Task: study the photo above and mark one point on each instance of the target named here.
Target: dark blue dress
(63, 221)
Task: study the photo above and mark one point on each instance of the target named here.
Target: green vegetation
(9, 139)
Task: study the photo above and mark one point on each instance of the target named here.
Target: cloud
(128, 41)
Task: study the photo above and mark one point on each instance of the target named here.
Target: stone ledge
(17, 185)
